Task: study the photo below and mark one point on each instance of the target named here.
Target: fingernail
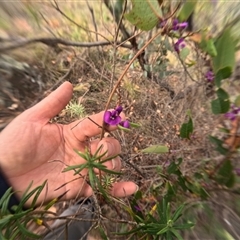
(137, 188)
(113, 163)
(107, 148)
(110, 148)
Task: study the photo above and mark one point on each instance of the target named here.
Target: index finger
(90, 126)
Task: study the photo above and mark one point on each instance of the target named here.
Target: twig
(53, 42)
(93, 19)
(56, 7)
(123, 156)
(120, 21)
(116, 17)
(123, 74)
(94, 69)
(126, 36)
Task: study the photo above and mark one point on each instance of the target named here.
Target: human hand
(32, 149)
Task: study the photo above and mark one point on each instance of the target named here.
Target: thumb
(50, 106)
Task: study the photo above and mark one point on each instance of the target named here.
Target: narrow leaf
(156, 149)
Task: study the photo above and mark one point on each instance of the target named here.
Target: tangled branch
(53, 42)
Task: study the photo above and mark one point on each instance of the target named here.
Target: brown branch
(123, 74)
(53, 42)
(57, 8)
(93, 19)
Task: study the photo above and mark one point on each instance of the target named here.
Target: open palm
(32, 149)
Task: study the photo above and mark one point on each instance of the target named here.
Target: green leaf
(5, 219)
(219, 145)
(222, 94)
(171, 192)
(138, 195)
(134, 125)
(224, 62)
(177, 234)
(220, 106)
(184, 53)
(4, 201)
(225, 174)
(162, 231)
(173, 167)
(25, 232)
(178, 213)
(124, 129)
(237, 101)
(156, 149)
(222, 103)
(79, 168)
(38, 192)
(208, 46)
(144, 14)
(102, 233)
(211, 49)
(202, 192)
(186, 129)
(184, 226)
(187, 10)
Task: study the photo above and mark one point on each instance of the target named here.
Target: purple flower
(209, 76)
(112, 117)
(231, 115)
(119, 109)
(125, 124)
(162, 24)
(179, 45)
(176, 25)
(137, 208)
(183, 25)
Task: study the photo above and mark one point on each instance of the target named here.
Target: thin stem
(123, 73)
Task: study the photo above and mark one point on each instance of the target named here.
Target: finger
(52, 104)
(90, 126)
(124, 189)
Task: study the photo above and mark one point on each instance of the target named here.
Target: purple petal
(107, 116)
(125, 124)
(182, 45)
(183, 25)
(114, 113)
(163, 23)
(137, 208)
(179, 44)
(114, 120)
(230, 116)
(180, 40)
(176, 48)
(119, 109)
(209, 76)
(175, 22)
